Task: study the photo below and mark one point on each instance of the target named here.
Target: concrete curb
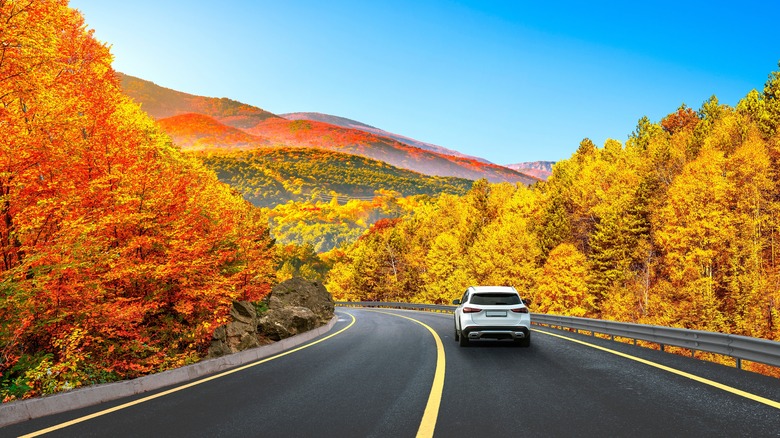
(23, 410)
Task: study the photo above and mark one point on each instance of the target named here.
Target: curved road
(375, 374)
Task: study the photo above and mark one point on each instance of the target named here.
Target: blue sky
(508, 81)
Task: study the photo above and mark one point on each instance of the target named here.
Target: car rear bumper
(517, 332)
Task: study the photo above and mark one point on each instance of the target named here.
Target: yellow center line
(188, 385)
(431, 414)
(709, 382)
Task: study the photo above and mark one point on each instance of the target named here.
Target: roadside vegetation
(120, 255)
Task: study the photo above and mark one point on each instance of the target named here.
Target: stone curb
(23, 410)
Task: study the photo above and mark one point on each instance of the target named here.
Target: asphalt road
(376, 378)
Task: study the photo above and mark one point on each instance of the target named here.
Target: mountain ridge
(539, 169)
(353, 124)
(171, 109)
(161, 102)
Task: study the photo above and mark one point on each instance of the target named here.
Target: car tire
(463, 340)
(525, 342)
(457, 335)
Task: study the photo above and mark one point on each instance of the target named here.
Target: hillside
(271, 176)
(352, 124)
(308, 133)
(160, 102)
(198, 132)
(172, 106)
(539, 169)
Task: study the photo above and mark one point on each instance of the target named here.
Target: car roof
(505, 289)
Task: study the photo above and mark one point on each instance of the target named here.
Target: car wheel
(525, 342)
(463, 340)
(457, 335)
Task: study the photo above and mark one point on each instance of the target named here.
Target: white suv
(492, 312)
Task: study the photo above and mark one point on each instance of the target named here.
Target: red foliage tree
(683, 119)
(119, 254)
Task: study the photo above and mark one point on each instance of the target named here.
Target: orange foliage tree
(119, 254)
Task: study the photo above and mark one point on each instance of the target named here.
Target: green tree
(772, 98)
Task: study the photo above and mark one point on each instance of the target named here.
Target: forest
(679, 226)
(120, 254)
(322, 198)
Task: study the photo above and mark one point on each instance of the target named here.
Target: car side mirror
(527, 301)
(456, 302)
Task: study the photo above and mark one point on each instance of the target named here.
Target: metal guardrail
(739, 347)
(392, 305)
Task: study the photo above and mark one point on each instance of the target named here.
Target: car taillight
(471, 310)
(521, 310)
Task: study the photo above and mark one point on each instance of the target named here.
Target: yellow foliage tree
(562, 287)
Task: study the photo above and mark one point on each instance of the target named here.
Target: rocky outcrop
(277, 324)
(237, 335)
(294, 306)
(299, 292)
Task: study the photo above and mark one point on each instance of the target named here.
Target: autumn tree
(563, 286)
(684, 119)
(506, 251)
(695, 231)
(120, 255)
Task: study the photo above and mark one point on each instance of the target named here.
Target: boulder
(278, 324)
(299, 292)
(237, 335)
(294, 306)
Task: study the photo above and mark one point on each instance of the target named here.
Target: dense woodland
(679, 226)
(121, 254)
(327, 226)
(322, 198)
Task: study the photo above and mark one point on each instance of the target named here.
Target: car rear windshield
(495, 299)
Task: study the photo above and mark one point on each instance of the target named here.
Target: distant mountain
(539, 169)
(311, 133)
(201, 123)
(352, 124)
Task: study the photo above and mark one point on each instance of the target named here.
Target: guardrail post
(739, 363)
